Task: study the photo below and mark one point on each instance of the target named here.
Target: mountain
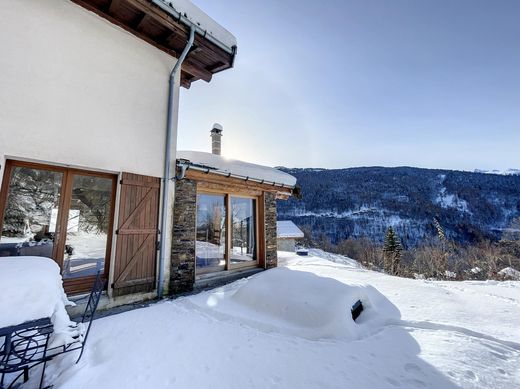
(506, 172)
(363, 202)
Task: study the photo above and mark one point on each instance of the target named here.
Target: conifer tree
(392, 251)
(441, 263)
(440, 231)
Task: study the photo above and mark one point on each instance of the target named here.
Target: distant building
(287, 234)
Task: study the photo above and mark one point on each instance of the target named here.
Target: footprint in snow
(415, 383)
(392, 381)
(413, 369)
(499, 355)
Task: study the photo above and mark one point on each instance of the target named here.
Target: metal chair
(24, 347)
(88, 316)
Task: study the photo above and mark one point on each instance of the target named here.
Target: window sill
(212, 280)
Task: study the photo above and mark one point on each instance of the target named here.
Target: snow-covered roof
(509, 272)
(287, 229)
(238, 168)
(198, 17)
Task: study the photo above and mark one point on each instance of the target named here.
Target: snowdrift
(306, 305)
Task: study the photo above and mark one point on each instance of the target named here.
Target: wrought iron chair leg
(43, 374)
(25, 374)
(80, 353)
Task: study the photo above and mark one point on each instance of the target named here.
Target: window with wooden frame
(227, 233)
(60, 213)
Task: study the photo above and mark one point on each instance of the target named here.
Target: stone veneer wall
(182, 275)
(271, 256)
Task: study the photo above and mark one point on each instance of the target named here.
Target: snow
(287, 229)
(448, 200)
(32, 289)
(279, 300)
(232, 166)
(510, 273)
(506, 172)
(201, 19)
(415, 334)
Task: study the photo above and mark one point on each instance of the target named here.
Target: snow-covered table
(31, 288)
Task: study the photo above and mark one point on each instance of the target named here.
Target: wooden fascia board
(238, 184)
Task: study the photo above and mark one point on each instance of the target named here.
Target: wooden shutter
(136, 248)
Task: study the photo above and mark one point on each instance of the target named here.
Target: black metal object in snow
(356, 310)
(90, 310)
(24, 347)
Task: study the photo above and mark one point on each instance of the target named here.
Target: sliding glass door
(60, 213)
(243, 230)
(210, 246)
(226, 236)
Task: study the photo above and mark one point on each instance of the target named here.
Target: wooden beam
(159, 15)
(139, 21)
(196, 71)
(218, 67)
(212, 187)
(168, 21)
(114, 5)
(185, 83)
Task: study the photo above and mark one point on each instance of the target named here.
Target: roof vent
(216, 135)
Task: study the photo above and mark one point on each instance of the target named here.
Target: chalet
(224, 217)
(88, 127)
(288, 234)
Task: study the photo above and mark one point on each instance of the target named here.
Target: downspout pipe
(167, 160)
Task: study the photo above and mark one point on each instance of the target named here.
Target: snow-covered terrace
(414, 334)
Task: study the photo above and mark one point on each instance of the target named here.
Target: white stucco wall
(77, 90)
(286, 244)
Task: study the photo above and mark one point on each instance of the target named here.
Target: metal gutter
(169, 8)
(184, 166)
(167, 160)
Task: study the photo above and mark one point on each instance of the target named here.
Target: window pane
(31, 212)
(244, 230)
(88, 226)
(211, 232)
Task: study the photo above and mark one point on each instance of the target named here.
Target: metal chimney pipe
(216, 135)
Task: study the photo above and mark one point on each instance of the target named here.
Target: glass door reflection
(243, 230)
(31, 212)
(88, 226)
(210, 246)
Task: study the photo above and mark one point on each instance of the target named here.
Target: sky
(333, 84)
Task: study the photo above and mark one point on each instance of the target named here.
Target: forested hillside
(364, 202)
